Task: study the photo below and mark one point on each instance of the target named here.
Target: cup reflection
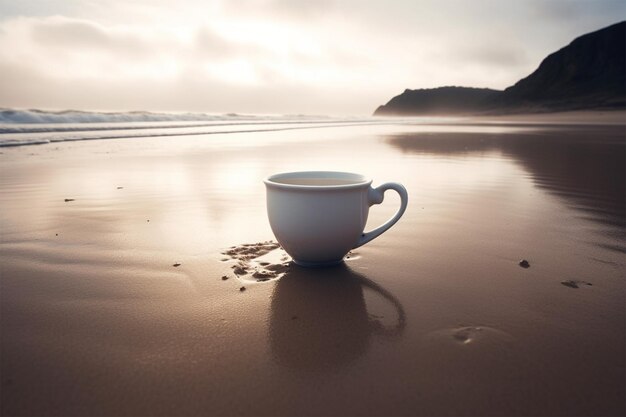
(319, 319)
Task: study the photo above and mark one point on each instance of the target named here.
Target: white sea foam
(77, 116)
(36, 127)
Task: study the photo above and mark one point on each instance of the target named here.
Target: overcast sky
(273, 56)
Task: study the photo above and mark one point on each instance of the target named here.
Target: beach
(120, 292)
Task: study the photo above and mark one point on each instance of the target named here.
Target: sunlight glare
(242, 178)
(238, 71)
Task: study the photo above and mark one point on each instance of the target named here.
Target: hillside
(589, 73)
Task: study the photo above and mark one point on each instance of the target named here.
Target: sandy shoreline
(435, 317)
(593, 117)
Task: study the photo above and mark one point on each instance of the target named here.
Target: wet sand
(141, 277)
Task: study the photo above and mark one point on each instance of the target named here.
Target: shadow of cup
(319, 319)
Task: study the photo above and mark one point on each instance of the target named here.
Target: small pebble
(56, 234)
(524, 263)
(242, 289)
(176, 264)
(224, 277)
(148, 220)
(68, 200)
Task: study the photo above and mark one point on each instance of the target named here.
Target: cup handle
(376, 196)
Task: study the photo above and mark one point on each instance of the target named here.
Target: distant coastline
(589, 73)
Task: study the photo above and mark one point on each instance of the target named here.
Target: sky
(273, 56)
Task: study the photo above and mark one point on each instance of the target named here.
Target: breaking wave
(77, 116)
(35, 127)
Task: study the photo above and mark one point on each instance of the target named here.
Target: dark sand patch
(575, 284)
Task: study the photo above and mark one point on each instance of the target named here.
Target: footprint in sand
(575, 284)
(258, 262)
(466, 335)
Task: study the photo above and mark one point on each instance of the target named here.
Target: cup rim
(359, 180)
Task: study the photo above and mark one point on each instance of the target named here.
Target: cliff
(589, 73)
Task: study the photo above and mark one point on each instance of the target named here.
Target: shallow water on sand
(435, 317)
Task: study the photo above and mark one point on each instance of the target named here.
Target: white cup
(319, 216)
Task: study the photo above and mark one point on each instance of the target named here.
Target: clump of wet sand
(247, 251)
(258, 262)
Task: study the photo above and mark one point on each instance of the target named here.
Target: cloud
(268, 55)
(60, 62)
(496, 55)
(75, 48)
(63, 33)
(209, 45)
(60, 30)
(233, 65)
(578, 10)
(188, 92)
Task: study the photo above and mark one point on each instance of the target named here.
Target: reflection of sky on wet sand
(512, 187)
(583, 165)
(480, 199)
(465, 188)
